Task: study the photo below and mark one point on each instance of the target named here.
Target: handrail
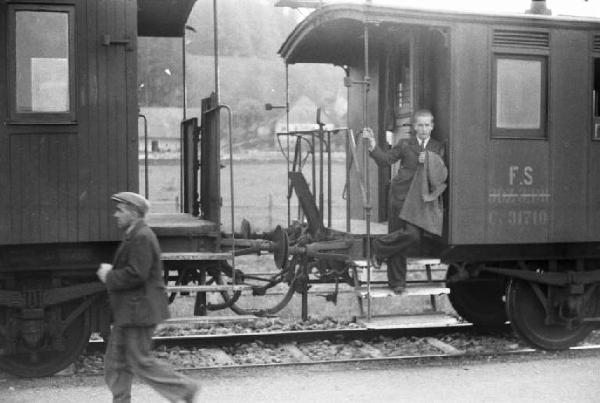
(231, 187)
(361, 181)
(146, 179)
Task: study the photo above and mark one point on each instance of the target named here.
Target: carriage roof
(163, 17)
(334, 31)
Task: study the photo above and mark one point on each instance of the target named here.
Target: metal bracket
(444, 33)
(106, 41)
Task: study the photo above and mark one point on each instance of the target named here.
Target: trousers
(128, 353)
(393, 247)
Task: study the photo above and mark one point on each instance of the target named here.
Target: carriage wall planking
(60, 162)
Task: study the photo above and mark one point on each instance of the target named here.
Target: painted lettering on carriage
(520, 176)
(519, 195)
(518, 217)
(523, 203)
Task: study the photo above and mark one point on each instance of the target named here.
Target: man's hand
(368, 134)
(103, 271)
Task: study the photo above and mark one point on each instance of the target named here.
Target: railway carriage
(515, 99)
(69, 139)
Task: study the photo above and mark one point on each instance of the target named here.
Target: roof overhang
(335, 33)
(163, 17)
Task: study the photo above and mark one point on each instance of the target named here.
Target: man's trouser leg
(117, 373)
(159, 375)
(393, 246)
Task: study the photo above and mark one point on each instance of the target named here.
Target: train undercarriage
(47, 316)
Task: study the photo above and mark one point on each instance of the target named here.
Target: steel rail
(583, 350)
(405, 359)
(312, 335)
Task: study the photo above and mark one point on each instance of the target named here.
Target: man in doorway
(402, 234)
(138, 301)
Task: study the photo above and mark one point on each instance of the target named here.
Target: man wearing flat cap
(138, 301)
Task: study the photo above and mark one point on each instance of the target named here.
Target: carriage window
(41, 63)
(519, 97)
(596, 99)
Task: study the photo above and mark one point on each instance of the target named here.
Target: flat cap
(138, 202)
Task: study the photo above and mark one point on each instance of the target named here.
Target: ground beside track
(561, 377)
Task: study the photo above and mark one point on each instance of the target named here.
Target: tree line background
(251, 71)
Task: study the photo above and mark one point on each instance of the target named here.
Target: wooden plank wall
(593, 171)
(57, 180)
(43, 183)
(4, 151)
(110, 141)
(570, 94)
(468, 148)
(563, 163)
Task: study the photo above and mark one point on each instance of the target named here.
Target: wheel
(527, 317)
(479, 300)
(38, 363)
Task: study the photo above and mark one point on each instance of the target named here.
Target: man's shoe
(376, 262)
(194, 397)
(399, 289)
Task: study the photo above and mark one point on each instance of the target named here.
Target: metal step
(418, 269)
(434, 319)
(411, 275)
(379, 291)
(207, 288)
(210, 319)
(410, 261)
(191, 256)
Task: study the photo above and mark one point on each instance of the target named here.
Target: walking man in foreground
(138, 301)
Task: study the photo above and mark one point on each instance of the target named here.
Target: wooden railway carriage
(68, 140)
(515, 99)
(516, 102)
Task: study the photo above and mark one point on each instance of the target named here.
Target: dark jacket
(423, 206)
(135, 285)
(407, 152)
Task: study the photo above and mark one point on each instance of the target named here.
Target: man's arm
(136, 269)
(382, 157)
(390, 156)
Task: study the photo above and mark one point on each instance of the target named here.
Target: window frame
(540, 133)
(595, 96)
(16, 117)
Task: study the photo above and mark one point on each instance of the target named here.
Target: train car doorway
(413, 73)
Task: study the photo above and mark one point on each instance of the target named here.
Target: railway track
(311, 347)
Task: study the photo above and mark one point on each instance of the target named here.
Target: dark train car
(68, 140)
(515, 99)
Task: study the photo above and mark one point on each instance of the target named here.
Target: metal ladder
(368, 289)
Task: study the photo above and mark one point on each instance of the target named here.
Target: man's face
(124, 215)
(423, 126)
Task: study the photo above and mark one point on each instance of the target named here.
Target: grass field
(260, 191)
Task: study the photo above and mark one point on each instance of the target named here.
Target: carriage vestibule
(413, 73)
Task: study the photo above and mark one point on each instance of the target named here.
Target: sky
(590, 8)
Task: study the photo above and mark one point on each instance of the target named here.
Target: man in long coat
(138, 301)
(402, 234)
